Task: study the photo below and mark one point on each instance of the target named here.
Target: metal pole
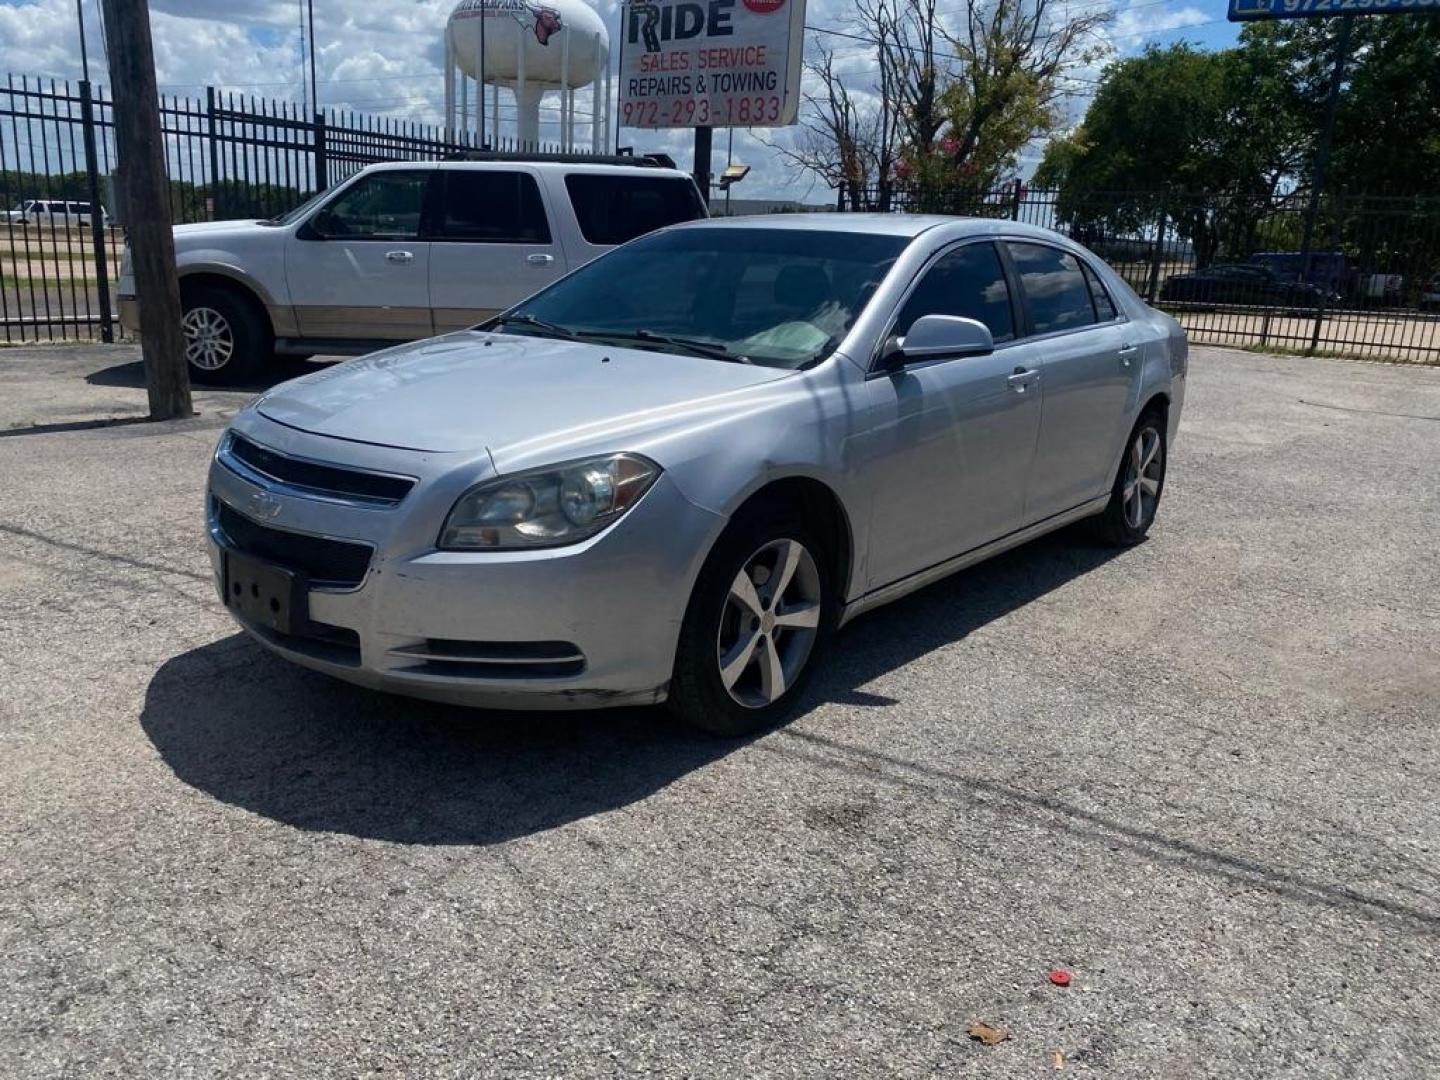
(97, 218)
(729, 160)
(620, 69)
(314, 94)
(703, 137)
(84, 56)
(480, 74)
(1322, 152)
(304, 90)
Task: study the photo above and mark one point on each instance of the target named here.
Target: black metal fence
(1236, 270)
(228, 156)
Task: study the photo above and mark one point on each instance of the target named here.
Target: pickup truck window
(615, 209)
(382, 206)
(489, 206)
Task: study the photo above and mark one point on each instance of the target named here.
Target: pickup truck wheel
(762, 610)
(227, 342)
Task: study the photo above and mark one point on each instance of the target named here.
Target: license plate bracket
(263, 593)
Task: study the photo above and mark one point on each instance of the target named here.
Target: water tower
(532, 47)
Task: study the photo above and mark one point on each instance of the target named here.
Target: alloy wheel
(1144, 470)
(769, 623)
(209, 338)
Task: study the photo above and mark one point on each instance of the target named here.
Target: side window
(1104, 306)
(969, 282)
(483, 205)
(1054, 287)
(381, 206)
(614, 209)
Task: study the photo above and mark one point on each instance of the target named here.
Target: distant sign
(710, 63)
(1247, 10)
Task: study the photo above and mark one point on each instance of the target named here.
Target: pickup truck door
(491, 244)
(357, 269)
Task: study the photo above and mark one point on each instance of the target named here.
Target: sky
(387, 58)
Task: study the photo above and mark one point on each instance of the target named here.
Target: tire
(228, 342)
(743, 700)
(1132, 507)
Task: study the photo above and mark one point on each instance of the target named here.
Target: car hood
(472, 389)
(207, 229)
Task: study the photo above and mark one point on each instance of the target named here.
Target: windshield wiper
(549, 329)
(700, 348)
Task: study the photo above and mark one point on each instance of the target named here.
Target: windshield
(780, 297)
(301, 210)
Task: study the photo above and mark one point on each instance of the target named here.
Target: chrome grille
(270, 468)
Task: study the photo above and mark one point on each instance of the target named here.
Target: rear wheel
(227, 341)
(1135, 495)
(761, 611)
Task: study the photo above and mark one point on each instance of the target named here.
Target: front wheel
(762, 608)
(227, 342)
(1135, 495)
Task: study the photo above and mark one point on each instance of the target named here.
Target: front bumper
(618, 598)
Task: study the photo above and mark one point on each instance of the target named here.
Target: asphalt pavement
(1199, 775)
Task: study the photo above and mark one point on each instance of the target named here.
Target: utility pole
(1327, 136)
(314, 91)
(146, 189)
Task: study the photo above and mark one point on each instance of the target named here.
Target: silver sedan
(671, 475)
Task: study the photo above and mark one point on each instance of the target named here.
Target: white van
(53, 213)
(401, 251)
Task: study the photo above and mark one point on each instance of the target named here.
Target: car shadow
(300, 748)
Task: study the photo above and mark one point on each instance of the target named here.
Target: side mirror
(934, 337)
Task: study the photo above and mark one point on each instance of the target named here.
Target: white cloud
(386, 59)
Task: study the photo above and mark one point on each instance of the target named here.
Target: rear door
(491, 244)
(357, 269)
(1089, 363)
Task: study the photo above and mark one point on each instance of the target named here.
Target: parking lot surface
(1200, 775)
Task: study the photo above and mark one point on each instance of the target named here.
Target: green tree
(1209, 139)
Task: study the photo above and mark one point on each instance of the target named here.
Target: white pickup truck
(402, 251)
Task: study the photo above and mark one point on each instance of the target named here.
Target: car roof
(907, 225)
(568, 167)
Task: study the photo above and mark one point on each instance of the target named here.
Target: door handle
(1127, 353)
(399, 256)
(539, 259)
(1022, 379)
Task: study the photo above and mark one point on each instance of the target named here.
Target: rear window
(1055, 287)
(492, 207)
(614, 209)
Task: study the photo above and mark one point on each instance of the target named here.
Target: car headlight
(547, 507)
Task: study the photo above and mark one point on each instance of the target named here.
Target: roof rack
(642, 161)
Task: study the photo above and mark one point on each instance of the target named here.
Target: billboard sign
(1249, 10)
(710, 63)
